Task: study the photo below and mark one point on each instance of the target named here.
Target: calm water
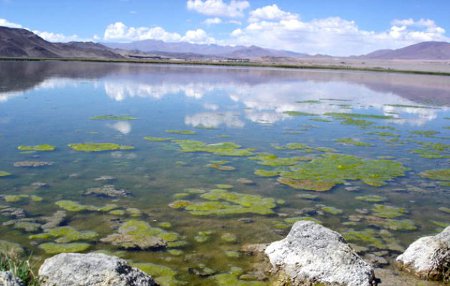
(52, 103)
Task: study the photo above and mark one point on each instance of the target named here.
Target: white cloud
(271, 27)
(57, 37)
(6, 23)
(213, 21)
(214, 120)
(121, 32)
(233, 9)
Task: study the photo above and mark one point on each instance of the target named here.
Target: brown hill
(420, 51)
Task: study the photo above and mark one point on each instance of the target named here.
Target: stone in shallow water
(93, 269)
(312, 254)
(428, 257)
(107, 191)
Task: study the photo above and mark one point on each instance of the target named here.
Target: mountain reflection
(265, 95)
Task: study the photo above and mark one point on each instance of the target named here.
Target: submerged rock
(312, 254)
(94, 269)
(107, 191)
(8, 279)
(428, 257)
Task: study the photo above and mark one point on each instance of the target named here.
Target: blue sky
(313, 26)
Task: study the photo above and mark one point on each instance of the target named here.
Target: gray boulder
(312, 254)
(93, 269)
(8, 279)
(428, 257)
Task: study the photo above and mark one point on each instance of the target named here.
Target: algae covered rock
(55, 248)
(42, 147)
(93, 269)
(135, 234)
(428, 257)
(313, 254)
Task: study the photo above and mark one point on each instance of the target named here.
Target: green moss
(55, 248)
(42, 147)
(437, 174)
(328, 170)
(228, 237)
(181, 132)
(113, 117)
(223, 149)
(433, 150)
(444, 209)
(18, 198)
(165, 225)
(331, 210)
(117, 212)
(224, 186)
(353, 142)
(384, 211)
(66, 234)
(371, 198)
(107, 208)
(366, 237)
(98, 147)
(156, 139)
(221, 202)
(203, 236)
(4, 174)
(267, 159)
(136, 234)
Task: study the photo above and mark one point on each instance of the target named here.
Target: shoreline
(240, 64)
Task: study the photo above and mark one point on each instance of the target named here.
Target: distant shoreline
(237, 64)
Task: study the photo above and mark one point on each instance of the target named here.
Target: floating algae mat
(176, 168)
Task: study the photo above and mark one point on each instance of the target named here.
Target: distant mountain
(160, 47)
(420, 51)
(23, 43)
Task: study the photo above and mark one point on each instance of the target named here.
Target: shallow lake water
(352, 150)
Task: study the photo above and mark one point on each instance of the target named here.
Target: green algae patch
(222, 149)
(442, 175)
(331, 210)
(431, 150)
(39, 148)
(267, 159)
(266, 173)
(385, 211)
(224, 186)
(232, 278)
(157, 139)
(4, 174)
(356, 118)
(425, 133)
(398, 225)
(371, 198)
(19, 198)
(366, 237)
(163, 275)
(222, 202)
(98, 147)
(136, 234)
(73, 206)
(181, 132)
(66, 234)
(113, 117)
(383, 134)
(444, 209)
(328, 170)
(228, 237)
(353, 142)
(203, 236)
(298, 113)
(220, 165)
(55, 248)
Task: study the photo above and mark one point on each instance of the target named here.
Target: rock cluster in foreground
(428, 257)
(312, 253)
(93, 269)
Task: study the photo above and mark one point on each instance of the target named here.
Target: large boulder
(312, 254)
(8, 279)
(93, 269)
(428, 257)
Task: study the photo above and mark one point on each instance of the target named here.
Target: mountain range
(16, 42)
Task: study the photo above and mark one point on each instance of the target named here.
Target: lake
(207, 159)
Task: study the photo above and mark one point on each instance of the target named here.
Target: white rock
(93, 269)
(8, 279)
(428, 257)
(312, 253)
